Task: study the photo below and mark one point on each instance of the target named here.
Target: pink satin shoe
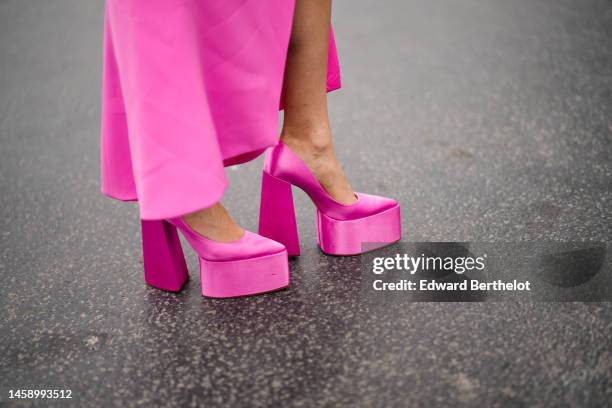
(341, 229)
(251, 265)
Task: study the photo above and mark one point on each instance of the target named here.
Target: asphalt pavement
(489, 120)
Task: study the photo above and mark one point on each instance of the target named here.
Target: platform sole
(354, 237)
(244, 277)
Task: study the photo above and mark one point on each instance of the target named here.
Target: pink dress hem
(189, 88)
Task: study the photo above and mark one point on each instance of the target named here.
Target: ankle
(314, 146)
(316, 140)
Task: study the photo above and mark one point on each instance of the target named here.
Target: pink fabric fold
(190, 87)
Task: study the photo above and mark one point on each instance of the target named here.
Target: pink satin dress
(190, 87)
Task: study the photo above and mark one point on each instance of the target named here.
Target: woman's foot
(316, 149)
(215, 224)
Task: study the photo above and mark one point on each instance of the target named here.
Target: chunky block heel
(164, 262)
(251, 265)
(342, 229)
(277, 213)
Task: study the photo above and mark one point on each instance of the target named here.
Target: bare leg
(306, 128)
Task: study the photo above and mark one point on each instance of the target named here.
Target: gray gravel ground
(489, 120)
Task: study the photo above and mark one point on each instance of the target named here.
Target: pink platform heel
(251, 265)
(341, 229)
